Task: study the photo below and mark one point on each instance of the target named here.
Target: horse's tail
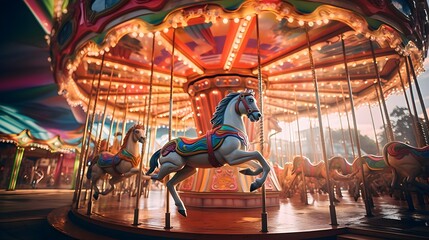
(153, 162)
(89, 172)
(92, 162)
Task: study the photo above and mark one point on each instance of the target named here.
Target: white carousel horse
(225, 143)
(120, 166)
(408, 163)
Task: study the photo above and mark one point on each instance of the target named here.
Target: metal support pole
(264, 215)
(79, 177)
(413, 120)
(346, 111)
(139, 176)
(389, 124)
(373, 128)
(100, 136)
(322, 137)
(346, 154)
(112, 122)
(304, 184)
(312, 139)
(381, 112)
(331, 141)
(349, 84)
(419, 93)
(413, 102)
(89, 209)
(170, 131)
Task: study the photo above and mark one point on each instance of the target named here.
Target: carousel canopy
(128, 45)
(29, 96)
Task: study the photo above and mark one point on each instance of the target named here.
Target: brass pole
(349, 84)
(375, 132)
(389, 124)
(304, 184)
(413, 102)
(342, 129)
(170, 130)
(104, 116)
(113, 116)
(88, 212)
(411, 69)
(124, 123)
(381, 112)
(79, 178)
(419, 93)
(331, 142)
(322, 137)
(346, 111)
(312, 138)
(264, 215)
(139, 176)
(413, 120)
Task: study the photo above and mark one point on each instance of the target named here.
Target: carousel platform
(112, 219)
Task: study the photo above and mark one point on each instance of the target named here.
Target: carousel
(217, 78)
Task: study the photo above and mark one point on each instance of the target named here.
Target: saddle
(204, 144)
(108, 159)
(375, 162)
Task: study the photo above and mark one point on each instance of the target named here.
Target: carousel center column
(223, 187)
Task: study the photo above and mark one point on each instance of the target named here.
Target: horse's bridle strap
(210, 151)
(242, 99)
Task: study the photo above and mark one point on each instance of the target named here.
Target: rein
(242, 99)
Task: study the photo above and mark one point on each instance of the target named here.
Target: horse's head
(246, 104)
(139, 133)
(297, 162)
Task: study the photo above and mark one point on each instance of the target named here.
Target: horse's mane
(124, 143)
(217, 118)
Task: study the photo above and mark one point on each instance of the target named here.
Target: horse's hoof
(253, 187)
(95, 196)
(183, 213)
(245, 171)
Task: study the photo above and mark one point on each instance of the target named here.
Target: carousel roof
(218, 40)
(29, 96)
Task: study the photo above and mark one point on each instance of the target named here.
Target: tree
(402, 124)
(366, 143)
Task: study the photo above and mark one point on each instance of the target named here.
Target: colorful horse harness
(400, 150)
(205, 144)
(108, 159)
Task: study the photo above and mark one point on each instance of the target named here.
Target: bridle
(242, 99)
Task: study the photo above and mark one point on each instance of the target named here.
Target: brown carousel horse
(374, 169)
(316, 171)
(410, 165)
(340, 169)
(120, 166)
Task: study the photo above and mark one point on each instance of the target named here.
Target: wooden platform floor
(291, 219)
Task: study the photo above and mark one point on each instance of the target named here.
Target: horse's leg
(356, 193)
(248, 171)
(181, 175)
(240, 156)
(96, 173)
(166, 168)
(112, 182)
